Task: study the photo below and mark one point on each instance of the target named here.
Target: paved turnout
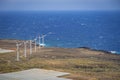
(5, 51)
(34, 74)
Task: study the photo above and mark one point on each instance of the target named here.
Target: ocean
(70, 29)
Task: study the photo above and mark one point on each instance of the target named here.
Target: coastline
(5, 42)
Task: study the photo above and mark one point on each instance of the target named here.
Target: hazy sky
(59, 4)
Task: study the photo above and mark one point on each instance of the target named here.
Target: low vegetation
(83, 64)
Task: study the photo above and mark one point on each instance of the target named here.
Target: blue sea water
(97, 30)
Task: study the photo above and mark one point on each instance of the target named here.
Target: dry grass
(83, 64)
(80, 68)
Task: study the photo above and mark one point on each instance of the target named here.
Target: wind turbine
(35, 43)
(39, 40)
(18, 54)
(18, 58)
(43, 40)
(25, 55)
(30, 47)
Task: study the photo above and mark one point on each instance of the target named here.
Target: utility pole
(30, 47)
(18, 52)
(25, 55)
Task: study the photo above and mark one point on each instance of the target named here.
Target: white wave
(113, 52)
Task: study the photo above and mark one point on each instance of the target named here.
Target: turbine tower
(30, 47)
(43, 40)
(18, 58)
(25, 55)
(39, 40)
(35, 43)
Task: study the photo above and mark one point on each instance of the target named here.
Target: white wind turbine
(30, 47)
(39, 40)
(35, 43)
(43, 39)
(25, 44)
(18, 54)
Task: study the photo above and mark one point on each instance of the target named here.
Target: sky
(46, 5)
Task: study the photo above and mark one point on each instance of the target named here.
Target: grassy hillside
(82, 63)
